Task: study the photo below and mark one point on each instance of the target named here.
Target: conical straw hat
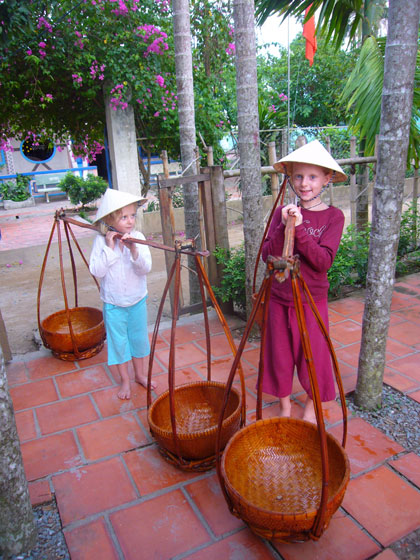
(315, 154)
(113, 200)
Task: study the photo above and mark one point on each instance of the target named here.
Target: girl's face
(308, 180)
(124, 222)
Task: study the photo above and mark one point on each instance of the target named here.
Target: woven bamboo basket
(272, 472)
(187, 420)
(73, 333)
(88, 332)
(198, 406)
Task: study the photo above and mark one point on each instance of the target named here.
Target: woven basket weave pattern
(197, 407)
(273, 475)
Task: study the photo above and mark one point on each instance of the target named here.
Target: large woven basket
(197, 410)
(272, 474)
(88, 332)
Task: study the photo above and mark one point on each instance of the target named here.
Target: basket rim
(192, 435)
(63, 312)
(275, 420)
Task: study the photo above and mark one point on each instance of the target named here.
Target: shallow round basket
(88, 329)
(272, 472)
(197, 410)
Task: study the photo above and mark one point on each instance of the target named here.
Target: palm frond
(363, 92)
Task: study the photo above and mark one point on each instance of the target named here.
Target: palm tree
(248, 134)
(187, 133)
(338, 18)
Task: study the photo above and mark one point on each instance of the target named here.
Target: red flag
(309, 34)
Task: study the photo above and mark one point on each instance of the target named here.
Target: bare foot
(309, 411)
(142, 380)
(285, 407)
(124, 393)
(309, 418)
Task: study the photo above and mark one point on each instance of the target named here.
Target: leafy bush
(177, 201)
(82, 191)
(16, 190)
(232, 285)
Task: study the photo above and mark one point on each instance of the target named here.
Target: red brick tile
(25, 425)
(208, 497)
(349, 354)
(252, 356)
(50, 454)
(399, 381)
(219, 345)
(409, 466)
(349, 383)
(39, 492)
(333, 316)
(92, 489)
(401, 301)
(397, 349)
(16, 373)
(243, 545)
(151, 472)
(346, 332)
(33, 394)
(410, 314)
(185, 355)
(48, 366)
(387, 554)
(109, 404)
(341, 537)
(110, 436)
(182, 376)
(384, 504)
(415, 396)
(366, 446)
(90, 541)
(405, 332)
(83, 381)
(65, 414)
(161, 528)
(409, 365)
(220, 369)
(184, 333)
(347, 306)
(99, 358)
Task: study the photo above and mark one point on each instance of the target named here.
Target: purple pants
(283, 351)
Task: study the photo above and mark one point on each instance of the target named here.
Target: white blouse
(122, 279)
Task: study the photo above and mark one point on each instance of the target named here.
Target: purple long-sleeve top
(316, 242)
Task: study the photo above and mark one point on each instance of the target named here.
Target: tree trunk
(185, 90)
(248, 135)
(17, 524)
(397, 99)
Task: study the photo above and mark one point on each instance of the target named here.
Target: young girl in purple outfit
(318, 230)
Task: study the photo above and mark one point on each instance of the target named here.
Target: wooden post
(210, 159)
(210, 240)
(170, 260)
(272, 158)
(165, 204)
(220, 222)
(353, 193)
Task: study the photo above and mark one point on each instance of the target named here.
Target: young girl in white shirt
(121, 267)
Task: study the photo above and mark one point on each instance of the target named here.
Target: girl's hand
(291, 210)
(110, 239)
(130, 245)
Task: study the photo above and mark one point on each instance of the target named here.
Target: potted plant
(83, 191)
(15, 193)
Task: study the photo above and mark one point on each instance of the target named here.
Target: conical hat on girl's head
(113, 200)
(315, 154)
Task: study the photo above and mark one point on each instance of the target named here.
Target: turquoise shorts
(126, 332)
